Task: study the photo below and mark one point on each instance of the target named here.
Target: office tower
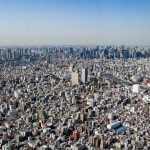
(4, 56)
(122, 47)
(0, 54)
(9, 54)
(98, 50)
(85, 75)
(71, 50)
(134, 53)
(30, 52)
(49, 59)
(81, 54)
(14, 55)
(124, 54)
(88, 54)
(18, 53)
(26, 51)
(71, 68)
(75, 77)
(21, 53)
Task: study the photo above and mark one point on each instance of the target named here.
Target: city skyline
(64, 22)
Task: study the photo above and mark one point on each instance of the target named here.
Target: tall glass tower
(85, 74)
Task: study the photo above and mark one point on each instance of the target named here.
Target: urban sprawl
(75, 98)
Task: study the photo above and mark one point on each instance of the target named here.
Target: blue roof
(121, 129)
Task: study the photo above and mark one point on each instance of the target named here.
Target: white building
(136, 88)
(146, 98)
(110, 116)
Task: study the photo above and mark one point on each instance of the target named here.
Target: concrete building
(85, 74)
(136, 88)
(75, 77)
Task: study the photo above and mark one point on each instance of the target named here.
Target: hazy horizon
(78, 22)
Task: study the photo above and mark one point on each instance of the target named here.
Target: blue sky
(74, 22)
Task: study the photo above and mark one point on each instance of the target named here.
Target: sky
(74, 22)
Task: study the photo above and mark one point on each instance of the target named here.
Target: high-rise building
(1, 54)
(75, 77)
(85, 75)
(71, 68)
(14, 55)
(49, 59)
(9, 54)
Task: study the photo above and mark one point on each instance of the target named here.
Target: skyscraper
(71, 68)
(49, 59)
(85, 75)
(75, 78)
